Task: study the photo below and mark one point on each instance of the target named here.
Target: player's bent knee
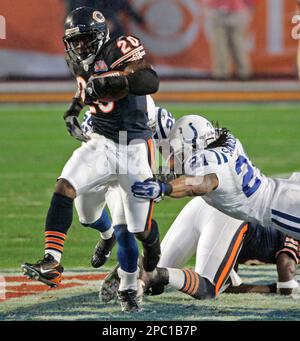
(142, 236)
(149, 235)
(63, 187)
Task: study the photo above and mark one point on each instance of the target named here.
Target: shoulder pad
(195, 164)
(124, 50)
(204, 162)
(216, 156)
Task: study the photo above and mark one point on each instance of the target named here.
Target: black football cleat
(129, 301)
(102, 251)
(47, 271)
(110, 286)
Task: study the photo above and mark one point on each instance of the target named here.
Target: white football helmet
(160, 120)
(191, 132)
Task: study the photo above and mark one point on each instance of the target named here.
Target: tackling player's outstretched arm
(181, 187)
(193, 185)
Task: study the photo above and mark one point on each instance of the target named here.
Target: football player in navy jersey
(113, 80)
(90, 206)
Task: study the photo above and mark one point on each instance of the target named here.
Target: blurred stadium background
(35, 87)
(177, 36)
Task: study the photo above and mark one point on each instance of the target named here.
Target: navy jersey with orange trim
(261, 243)
(128, 114)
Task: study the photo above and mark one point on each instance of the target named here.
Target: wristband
(168, 189)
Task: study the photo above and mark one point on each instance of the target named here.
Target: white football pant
(102, 162)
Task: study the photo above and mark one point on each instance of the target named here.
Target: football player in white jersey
(217, 168)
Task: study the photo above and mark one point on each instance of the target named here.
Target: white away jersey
(243, 192)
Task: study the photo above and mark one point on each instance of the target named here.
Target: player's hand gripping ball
(108, 87)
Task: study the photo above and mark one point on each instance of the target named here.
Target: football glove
(105, 88)
(152, 189)
(74, 128)
(91, 92)
(155, 289)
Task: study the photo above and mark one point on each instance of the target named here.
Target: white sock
(107, 234)
(57, 255)
(128, 280)
(176, 278)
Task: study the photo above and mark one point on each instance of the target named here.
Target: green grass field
(35, 146)
(82, 304)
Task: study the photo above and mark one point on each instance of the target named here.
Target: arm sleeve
(143, 82)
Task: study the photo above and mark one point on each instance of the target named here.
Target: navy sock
(103, 224)
(58, 221)
(60, 214)
(128, 251)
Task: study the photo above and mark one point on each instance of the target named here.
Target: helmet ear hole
(192, 131)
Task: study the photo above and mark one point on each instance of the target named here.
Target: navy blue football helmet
(85, 33)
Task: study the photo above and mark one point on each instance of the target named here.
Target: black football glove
(74, 128)
(92, 90)
(155, 282)
(102, 88)
(154, 289)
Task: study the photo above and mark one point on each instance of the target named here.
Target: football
(111, 95)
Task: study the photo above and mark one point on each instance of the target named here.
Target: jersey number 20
(104, 107)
